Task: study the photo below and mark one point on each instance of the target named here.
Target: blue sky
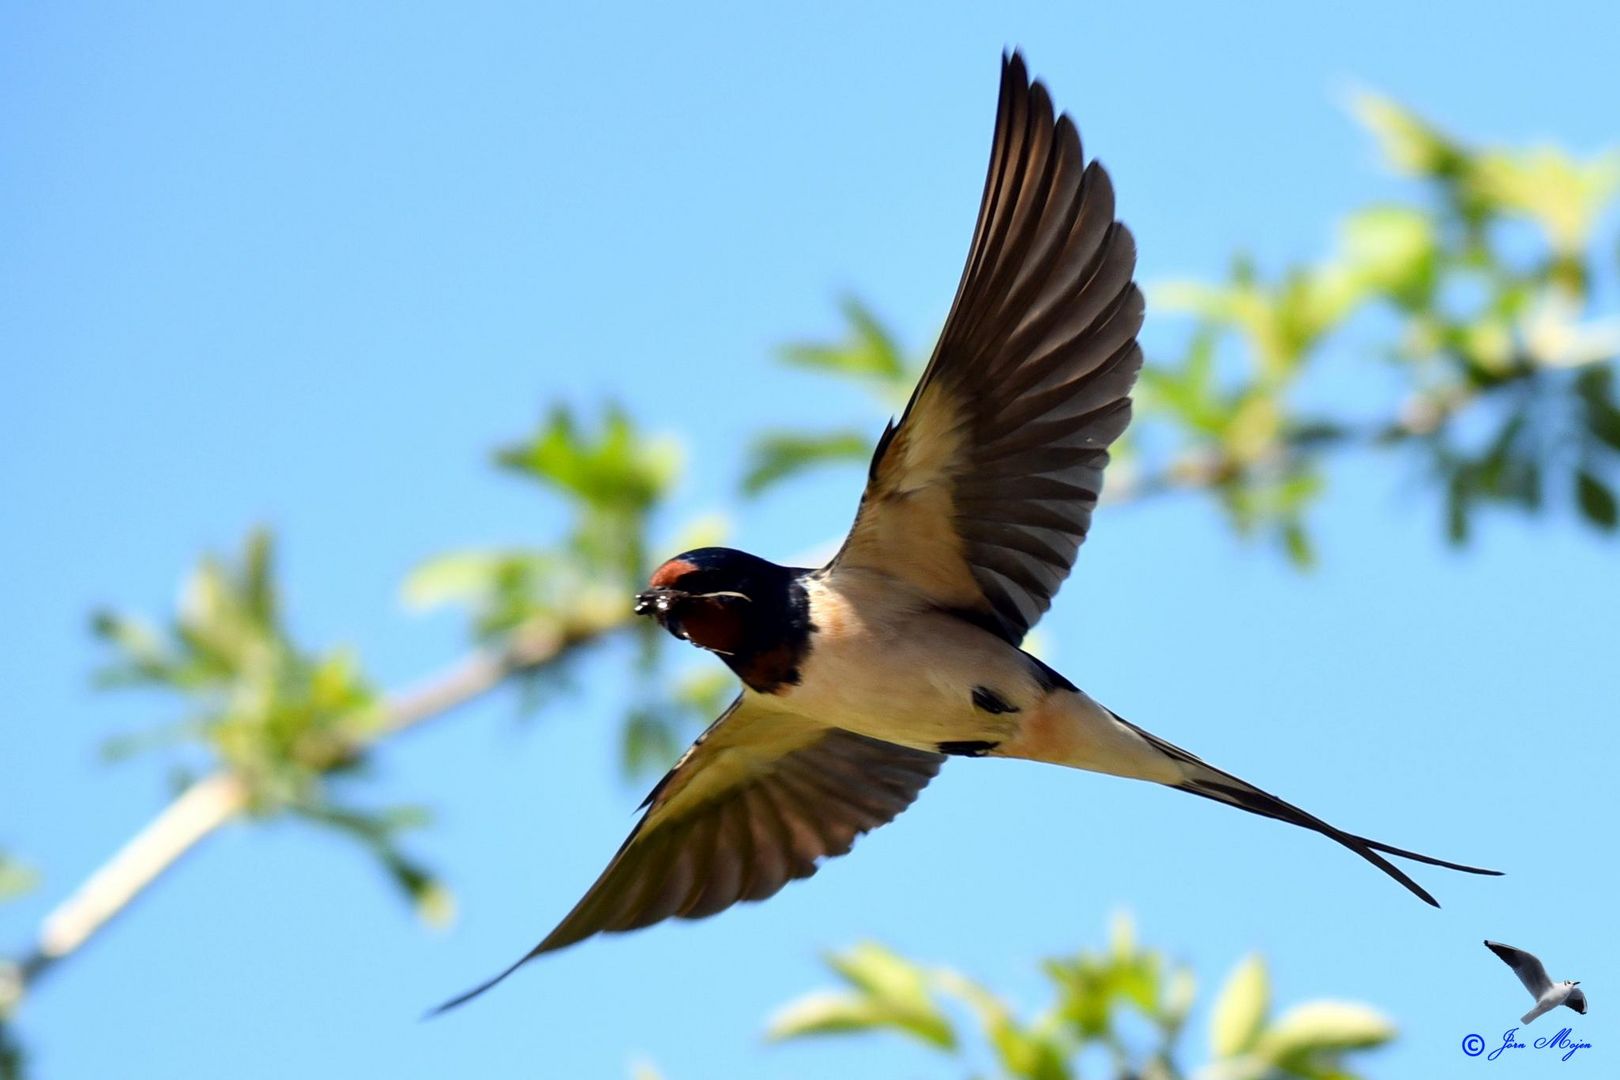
(307, 265)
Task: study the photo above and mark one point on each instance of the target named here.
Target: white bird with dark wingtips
(860, 677)
(1548, 994)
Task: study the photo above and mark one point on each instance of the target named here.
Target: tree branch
(222, 797)
(198, 811)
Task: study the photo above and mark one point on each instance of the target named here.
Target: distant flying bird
(861, 676)
(1548, 994)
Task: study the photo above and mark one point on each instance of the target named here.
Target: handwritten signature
(1565, 1040)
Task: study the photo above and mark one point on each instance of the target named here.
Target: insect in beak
(657, 602)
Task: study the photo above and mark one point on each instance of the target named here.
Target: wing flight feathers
(757, 801)
(980, 496)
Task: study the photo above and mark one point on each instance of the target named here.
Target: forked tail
(1201, 778)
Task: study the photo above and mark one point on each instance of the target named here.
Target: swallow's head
(704, 596)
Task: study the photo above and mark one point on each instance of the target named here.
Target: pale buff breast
(885, 664)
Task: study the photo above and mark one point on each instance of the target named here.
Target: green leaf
(1595, 386)
(1392, 249)
(1409, 143)
(869, 352)
(1179, 996)
(891, 992)
(258, 578)
(616, 468)
(434, 903)
(1605, 427)
(1254, 427)
(1122, 937)
(142, 655)
(1240, 1008)
(881, 972)
(1185, 296)
(829, 1013)
(377, 831)
(1036, 1052)
(13, 1061)
(1188, 392)
(1597, 502)
(1085, 994)
(1297, 542)
(1324, 1026)
(455, 577)
(1459, 504)
(780, 455)
(16, 877)
(132, 744)
(1562, 195)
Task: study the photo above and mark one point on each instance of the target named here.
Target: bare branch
(198, 811)
(220, 798)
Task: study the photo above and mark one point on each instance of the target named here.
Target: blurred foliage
(16, 877)
(1473, 304)
(11, 1055)
(870, 356)
(659, 727)
(782, 454)
(1121, 1012)
(290, 723)
(276, 714)
(611, 481)
(1483, 292)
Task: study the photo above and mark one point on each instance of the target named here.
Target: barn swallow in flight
(860, 677)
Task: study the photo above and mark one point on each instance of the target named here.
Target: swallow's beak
(656, 602)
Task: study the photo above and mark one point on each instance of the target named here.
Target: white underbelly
(912, 682)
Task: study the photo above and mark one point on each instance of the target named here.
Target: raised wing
(980, 496)
(1524, 965)
(757, 801)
